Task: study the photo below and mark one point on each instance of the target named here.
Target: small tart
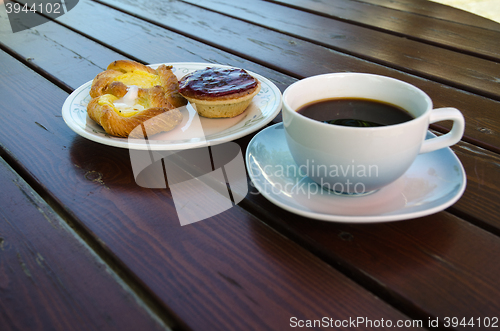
(219, 92)
(129, 94)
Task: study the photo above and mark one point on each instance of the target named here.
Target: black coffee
(355, 112)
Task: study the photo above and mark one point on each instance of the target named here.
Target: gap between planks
(144, 298)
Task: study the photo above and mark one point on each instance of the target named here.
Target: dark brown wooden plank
(404, 54)
(74, 59)
(425, 257)
(72, 56)
(439, 11)
(449, 34)
(438, 265)
(49, 278)
(480, 201)
(228, 272)
(298, 58)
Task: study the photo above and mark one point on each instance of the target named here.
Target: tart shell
(224, 107)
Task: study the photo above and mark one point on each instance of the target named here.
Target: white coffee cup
(360, 160)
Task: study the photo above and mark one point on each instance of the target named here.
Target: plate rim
(127, 144)
(357, 219)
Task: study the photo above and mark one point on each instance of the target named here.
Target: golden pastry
(129, 94)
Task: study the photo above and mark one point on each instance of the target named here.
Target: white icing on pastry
(127, 103)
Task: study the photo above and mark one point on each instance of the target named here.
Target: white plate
(193, 132)
(434, 182)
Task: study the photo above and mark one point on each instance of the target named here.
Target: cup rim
(289, 109)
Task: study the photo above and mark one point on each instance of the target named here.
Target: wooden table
(83, 247)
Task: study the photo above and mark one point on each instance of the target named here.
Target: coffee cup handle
(452, 137)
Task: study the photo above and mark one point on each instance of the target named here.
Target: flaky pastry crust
(160, 102)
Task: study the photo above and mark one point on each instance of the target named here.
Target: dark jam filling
(216, 82)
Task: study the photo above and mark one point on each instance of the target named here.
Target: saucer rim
(359, 219)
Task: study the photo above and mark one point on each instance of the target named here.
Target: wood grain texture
(438, 11)
(436, 266)
(49, 45)
(403, 54)
(228, 272)
(300, 58)
(425, 28)
(480, 202)
(49, 279)
(75, 57)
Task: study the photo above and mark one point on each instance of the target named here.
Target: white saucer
(434, 182)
